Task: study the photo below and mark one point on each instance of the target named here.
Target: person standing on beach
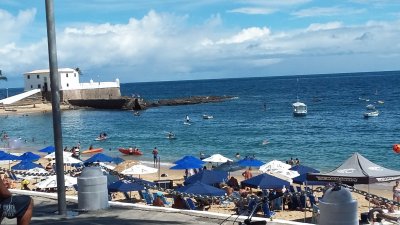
(15, 206)
(396, 192)
(247, 174)
(155, 156)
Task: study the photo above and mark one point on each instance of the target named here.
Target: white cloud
(324, 26)
(253, 11)
(162, 46)
(13, 26)
(326, 11)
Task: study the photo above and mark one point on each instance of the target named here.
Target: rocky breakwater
(140, 104)
(129, 103)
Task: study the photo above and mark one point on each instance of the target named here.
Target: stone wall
(97, 93)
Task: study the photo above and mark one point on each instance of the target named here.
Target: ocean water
(333, 129)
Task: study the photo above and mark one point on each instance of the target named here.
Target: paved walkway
(45, 213)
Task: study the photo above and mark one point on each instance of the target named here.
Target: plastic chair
(267, 212)
(147, 198)
(190, 204)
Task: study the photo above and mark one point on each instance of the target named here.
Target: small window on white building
(67, 85)
(38, 76)
(39, 86)
(74, 74)
(31, 86)
(66, 75)
(29, 76)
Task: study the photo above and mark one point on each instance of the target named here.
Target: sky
(164, 40)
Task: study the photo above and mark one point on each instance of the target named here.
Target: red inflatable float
(396, 148)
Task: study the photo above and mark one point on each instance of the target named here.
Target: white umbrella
(51, 182)
(53, 155)
(139, 169)
(286, 173)
(67, 157)
(217, 158)
(274, 165)
(34, 170)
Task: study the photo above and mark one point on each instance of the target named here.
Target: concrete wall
(97, 93)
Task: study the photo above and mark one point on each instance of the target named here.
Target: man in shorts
(15, 206)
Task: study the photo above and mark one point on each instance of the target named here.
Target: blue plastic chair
(147, 198)
(267, 212)
(190, 204)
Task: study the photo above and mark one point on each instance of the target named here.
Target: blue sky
(160, 40)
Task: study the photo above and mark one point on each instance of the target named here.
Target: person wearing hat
(158, 201)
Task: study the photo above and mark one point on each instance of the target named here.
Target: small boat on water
(94, 150)
(206, 117)
(299, 109)
(381, 102)
(371, 114)
(370, 107)
(130, 151)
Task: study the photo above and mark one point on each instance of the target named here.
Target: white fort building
(70, 86)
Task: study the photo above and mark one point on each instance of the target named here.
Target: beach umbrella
(274, 165)
(199, 188)
(302, 178)
(186, 165)
(252, 162)
(25, 165)
(208, 177)
(51, 182)
(265, 181)
(29, 156)
(71, 160)
(53, 155)
(99, 157)
(8, 156)
(139, 169)
(217, 158)
(38, 171)
(48, 149)
(125, 186)
(229, 167)
(189, 158)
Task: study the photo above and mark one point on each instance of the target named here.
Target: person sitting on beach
(49, 167)
(179, 202)
(380, 204)
(247, 174)
(297, 161)
(24, 184)
(15, 206)
(158, 201)
(234, 183)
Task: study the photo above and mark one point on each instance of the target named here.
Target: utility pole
(55, 103)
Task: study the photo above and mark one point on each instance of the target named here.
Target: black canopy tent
(357, 170)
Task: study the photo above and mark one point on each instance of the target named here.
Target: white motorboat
(371, 114)
(370, 107)
(205, 116)
(299, 109)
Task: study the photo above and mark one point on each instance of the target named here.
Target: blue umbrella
(25, 165)
(229, 167)
(190, 159)
(199, 188)
(208, 177)
(29, 156)
(186, 165)
(265, 181)
(7, 156)
(302, 179)
(125, 186)
(48, 149)
(250, 162)
(99, 157)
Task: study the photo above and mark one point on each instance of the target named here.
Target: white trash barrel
(337, 207)
(92, 189)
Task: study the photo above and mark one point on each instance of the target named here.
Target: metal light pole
(55, 103)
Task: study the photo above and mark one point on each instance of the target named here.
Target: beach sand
(383, 190)
(30, 108)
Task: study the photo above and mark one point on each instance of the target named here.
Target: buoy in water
(396, 148)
